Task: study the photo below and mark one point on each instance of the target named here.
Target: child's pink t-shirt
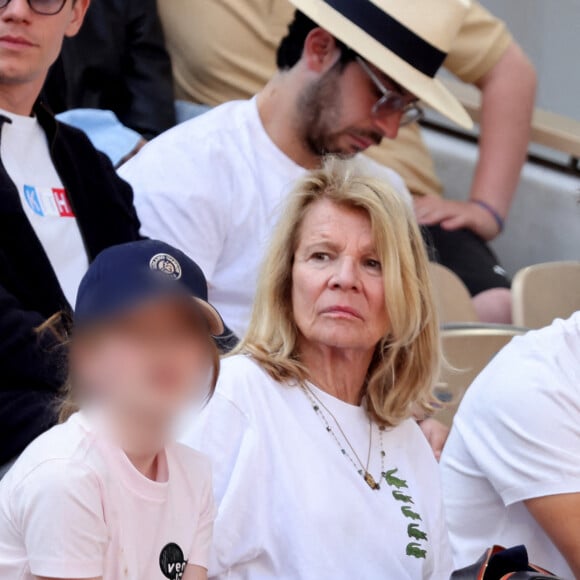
(74, 506)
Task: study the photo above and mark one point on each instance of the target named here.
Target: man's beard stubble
(318, 114)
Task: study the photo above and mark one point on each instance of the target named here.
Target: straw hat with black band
(406, 39)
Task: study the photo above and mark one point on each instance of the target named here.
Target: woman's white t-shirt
(516, 437)
(291, 506)
(74, 506)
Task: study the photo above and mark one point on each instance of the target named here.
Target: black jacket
(117, 62)
(30, 370)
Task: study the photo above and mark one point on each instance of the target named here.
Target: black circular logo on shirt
(172, 562)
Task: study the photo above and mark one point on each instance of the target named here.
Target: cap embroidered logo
(166, 264)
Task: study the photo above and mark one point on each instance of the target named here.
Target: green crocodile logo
(414, 549)
(409, 513)
(394, 481)
(413, 531)
(402, 497)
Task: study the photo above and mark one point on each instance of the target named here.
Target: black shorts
(466, 254)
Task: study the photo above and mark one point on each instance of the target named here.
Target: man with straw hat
(350, 74)
(209, 68)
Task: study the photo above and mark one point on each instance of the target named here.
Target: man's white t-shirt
(74, 506)
(291, 505)
(515, 437)
(26, 157)
(214, 187)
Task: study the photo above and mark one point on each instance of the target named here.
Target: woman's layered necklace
(416, 548)
(362, 469)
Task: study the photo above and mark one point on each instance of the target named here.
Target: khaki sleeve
(223, 50)
(481, 42)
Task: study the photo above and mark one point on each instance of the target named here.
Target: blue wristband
(498, 219)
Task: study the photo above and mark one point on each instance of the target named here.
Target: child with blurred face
(107, 493)
(145, 364)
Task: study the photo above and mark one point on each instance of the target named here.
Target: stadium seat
(544, 292)
(467, 351)
(452, 297)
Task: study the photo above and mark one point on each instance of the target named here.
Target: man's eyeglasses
(44, 7)
(392, 101)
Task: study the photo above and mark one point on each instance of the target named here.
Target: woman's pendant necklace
(417, 546)
(371, 481)
(362, 470)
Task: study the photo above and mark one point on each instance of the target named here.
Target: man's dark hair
(292, 45)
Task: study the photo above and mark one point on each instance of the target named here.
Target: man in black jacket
(61, 203)
(117, 62)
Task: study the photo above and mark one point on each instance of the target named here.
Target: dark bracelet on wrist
(498, 219)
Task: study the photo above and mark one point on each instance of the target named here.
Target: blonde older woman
(320, 472)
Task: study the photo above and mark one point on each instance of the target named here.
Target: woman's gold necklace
(417, 546)
(361, 469)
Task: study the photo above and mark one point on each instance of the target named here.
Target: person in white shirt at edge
(319, 472)
(511, 467)
(107, 495)
(214, 186)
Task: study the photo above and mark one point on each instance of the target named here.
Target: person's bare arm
(508, 92)
(436, 434)
(559, 516)
(195, 573)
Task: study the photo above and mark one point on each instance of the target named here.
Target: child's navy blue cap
(125, 276)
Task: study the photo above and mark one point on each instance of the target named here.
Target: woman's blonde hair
(58, 326)
(407, 359)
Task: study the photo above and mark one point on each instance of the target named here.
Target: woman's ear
(77, 18)
(321, 52)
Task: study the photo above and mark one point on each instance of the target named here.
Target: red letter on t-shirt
(61, 199)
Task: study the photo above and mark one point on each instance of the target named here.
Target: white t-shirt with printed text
(516, 437)
(291, 505)
(74, 506)
(214, 187)
(26, 157)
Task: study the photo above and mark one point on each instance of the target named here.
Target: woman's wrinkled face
(151, 361)
(338, 294)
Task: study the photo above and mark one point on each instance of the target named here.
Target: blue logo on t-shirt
(32, 199)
